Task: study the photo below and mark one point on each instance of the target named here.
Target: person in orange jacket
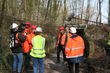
(61, 38)
(30, 36)
(74, 50)
(26, 47)
(27, 31)
(26, 44)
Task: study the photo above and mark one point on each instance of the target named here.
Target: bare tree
(109, 13)
(64, 11)
(88, 11)
(2, 11)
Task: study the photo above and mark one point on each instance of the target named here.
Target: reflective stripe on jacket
(63, 38)
(74, 47)
(38, 50)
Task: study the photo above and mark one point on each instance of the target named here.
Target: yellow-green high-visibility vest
(38, 50)
(108, 43)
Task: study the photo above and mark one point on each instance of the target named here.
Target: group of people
(75, 49)
(72, 46)
(27, 43)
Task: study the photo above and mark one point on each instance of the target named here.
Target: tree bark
(109, 13)
(2, 12)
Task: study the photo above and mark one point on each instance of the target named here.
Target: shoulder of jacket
(43, 37)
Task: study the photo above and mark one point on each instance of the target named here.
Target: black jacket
(17, 48)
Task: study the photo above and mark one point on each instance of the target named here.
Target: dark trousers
(73, 67)
(27, 59)
(107, 65)
(59, 49)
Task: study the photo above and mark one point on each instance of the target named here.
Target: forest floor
(96, 65)
(92, 65)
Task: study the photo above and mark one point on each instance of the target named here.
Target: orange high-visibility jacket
(27, 31)
(74, 47)
(29, 39)
(26, 46)
(63, 39)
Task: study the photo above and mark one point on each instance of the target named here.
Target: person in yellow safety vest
(74, 50)
(38, 51)
(60, 45)
(107, 49)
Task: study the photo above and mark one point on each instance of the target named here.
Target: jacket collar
(73, 36)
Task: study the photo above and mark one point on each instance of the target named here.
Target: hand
(16, 41)
(63, 47)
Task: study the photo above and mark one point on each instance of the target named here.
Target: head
(15, 26)
(38, 30)
(21, 27)
(62, 29)
(33, 28)
(28, 25)
(67, 29)
(73, 30)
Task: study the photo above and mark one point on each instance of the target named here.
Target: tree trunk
(88, 11)
(82, 10)
(100, 14)
(109, 13)
(2, 12)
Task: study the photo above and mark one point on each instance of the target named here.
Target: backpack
(21, 37)
(12, 38)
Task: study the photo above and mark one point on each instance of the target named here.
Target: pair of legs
(38, 65)
(17, 62)
(107, 65)
(27, 60)
(59, 49)
(73, 67)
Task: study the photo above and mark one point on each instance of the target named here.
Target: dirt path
(89, 66)
(52, 67)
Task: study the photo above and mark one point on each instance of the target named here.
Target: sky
(105, 11)
(94, 3)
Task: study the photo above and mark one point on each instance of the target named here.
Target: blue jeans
(38, 65)
(17, 62)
